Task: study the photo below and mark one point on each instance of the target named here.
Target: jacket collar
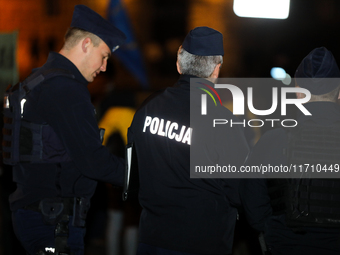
(56, 60)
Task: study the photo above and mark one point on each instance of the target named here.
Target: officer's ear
(216, 72)
(85, 44)
(298, 94)
(178, 69)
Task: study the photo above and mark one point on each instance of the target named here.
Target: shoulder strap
(13, 123)
(39, 76)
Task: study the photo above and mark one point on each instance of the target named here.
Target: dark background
(252, 48)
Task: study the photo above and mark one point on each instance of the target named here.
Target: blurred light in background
(287, 80)
(280, 74)
(270, 9)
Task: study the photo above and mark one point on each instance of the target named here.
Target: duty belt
(64, 204)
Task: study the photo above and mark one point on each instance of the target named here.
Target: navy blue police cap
(88, 20)
(320, 66)
(204, 41)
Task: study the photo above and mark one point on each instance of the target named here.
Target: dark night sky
(284, 43)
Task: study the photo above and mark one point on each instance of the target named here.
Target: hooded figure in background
(299, 213)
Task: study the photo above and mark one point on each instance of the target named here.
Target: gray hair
(200, 66)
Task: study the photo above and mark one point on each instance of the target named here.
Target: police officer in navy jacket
(53, 191)
(183, 215)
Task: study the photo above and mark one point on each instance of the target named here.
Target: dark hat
(319, 66)
(88, 20)
(204, 41)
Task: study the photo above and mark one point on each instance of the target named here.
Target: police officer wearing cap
(56, 179)
(301, 215)
(183, 215)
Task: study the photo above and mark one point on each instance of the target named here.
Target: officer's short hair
(74, 35)
(200, 66)
(330, 96)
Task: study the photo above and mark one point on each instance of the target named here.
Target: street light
(268, 9)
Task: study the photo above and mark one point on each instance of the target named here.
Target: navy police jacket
(65, 104)
(182, 213)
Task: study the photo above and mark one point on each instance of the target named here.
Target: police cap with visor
(204, 41)
(88, 20)
(318, 72)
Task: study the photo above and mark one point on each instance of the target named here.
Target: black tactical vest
(310, 201)
(23, 140)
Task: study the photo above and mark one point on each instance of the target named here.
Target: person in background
(122, 217)
(301, 215)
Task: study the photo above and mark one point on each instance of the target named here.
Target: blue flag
(128, 53)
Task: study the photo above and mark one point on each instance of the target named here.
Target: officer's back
(181, 214)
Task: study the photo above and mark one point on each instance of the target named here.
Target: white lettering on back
(156, 127)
